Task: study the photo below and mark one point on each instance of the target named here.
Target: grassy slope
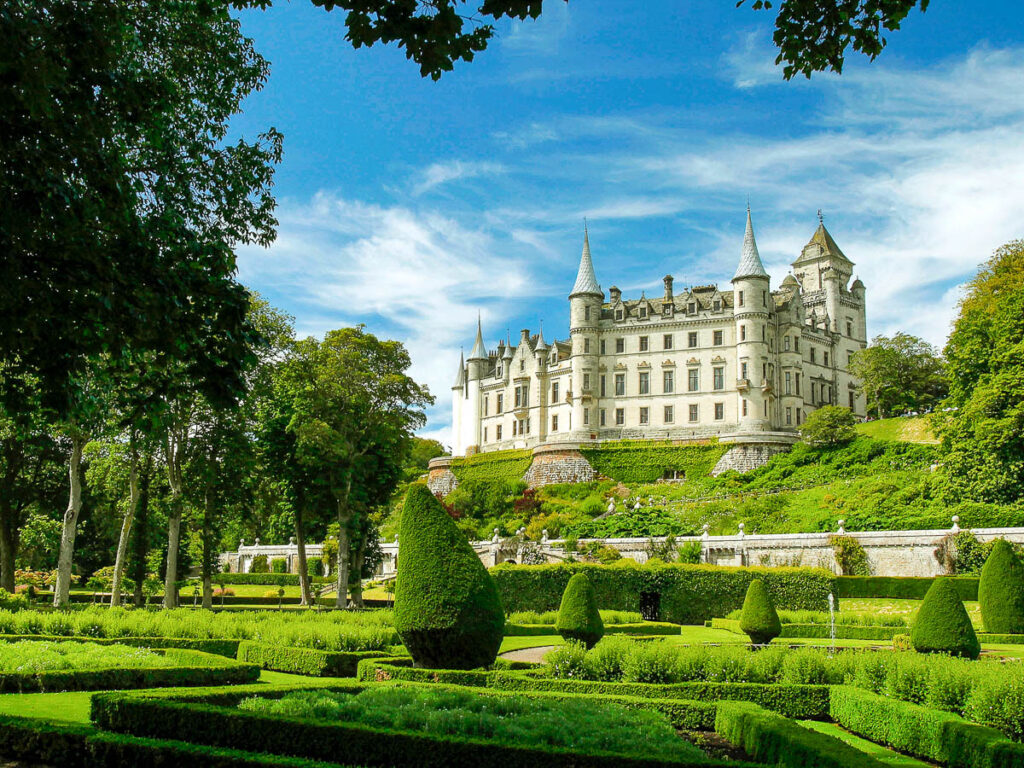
(907, 429)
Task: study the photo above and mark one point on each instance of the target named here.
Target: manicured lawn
(906, 608)
(71, 707)
(907, 429)
(883, 754)
(516, 643)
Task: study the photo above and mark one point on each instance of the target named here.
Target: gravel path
(535, 655)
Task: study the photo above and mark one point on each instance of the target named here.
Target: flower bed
(49, 666)
(303, 661)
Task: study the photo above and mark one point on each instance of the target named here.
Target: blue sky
(410, 205)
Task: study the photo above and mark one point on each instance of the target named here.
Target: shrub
(9, 602)
(850, 556)
(568, 660)
(759, 620)
(942, 624)
(279, 565)
(900, 587)
(578, 616)
(1001, 590)
(901, 642)
(447, 609)
(259, 565)
(315, 566)
(829, 425)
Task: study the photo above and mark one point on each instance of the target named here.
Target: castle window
(666, 310)
(644, 343)
(719, 411)
(602, 347)
(620, 384)
(764, 371)
(851, 400)
(693, 384)
(691, 339)
(717, 305)
(691, 308)
(586, 382)
(670, 414)
(487, 401)
(485, 434)
(645, 415)
(849, 329)
(586, 346)
(554, 391)
(586, 312)
(693, 413)
(798, 386)
(603, 420)
(527, 426)
(645, 383)
(642, 312)
(501, 403)
(522, 364)
(743, 371)
(814, 393)
(554, 423)
(764, 298)
(497, 372)
(519, 396)
(813, 350)
(743, 333)
(620, 346)
(603, 392)
(586, 416)
(668, 382)
(789, 417)
(618, 314)
(718, 375)
(825, 356)
(620, 416)
(786, 344)
(515, 427)
(796, 343)
(798, 416)
(764, 333)
(744, 407)
(667, 341)
(789, 381)
(497, 432)
(740, 302)
(717, 338)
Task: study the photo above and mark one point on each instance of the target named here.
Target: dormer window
(667, 310)
(643, 312)
(618, 314)
(691, 308)
(717, 305)
(497, 371)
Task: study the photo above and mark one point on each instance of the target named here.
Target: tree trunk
(341, 598)
(300, 542)
(126, 530)
(173, 540)
(207, 555)
(8, 548)
(357, 568)
(141, 548)
(62, 590)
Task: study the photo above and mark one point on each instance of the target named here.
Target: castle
(745, 365)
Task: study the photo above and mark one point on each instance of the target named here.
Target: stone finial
(291, 541)
(496, 538)
(956, 524)
(706, 528)
(257, 542)
(396, 538)
(241, 543)
(842, 527)
(520, 531)
(611, 506)
(742, 533)
(544, 536)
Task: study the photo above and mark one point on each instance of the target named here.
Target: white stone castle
(746, 365)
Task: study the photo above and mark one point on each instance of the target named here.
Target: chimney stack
(668, 287)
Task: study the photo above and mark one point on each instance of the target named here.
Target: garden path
(535, 655)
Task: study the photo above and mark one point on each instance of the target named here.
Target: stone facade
(700, 362)
(440, 479)
(558, 463)
(748, 456)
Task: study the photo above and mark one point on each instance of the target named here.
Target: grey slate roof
(479, 352)
(750, 260)
(460, 378)
(586, 280)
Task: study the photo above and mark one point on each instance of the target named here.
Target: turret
(458, 403)
(478, 359)
(752, 306)
(476, 365)
(585, 303)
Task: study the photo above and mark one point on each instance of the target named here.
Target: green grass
(29, 657)
(70, 707)
(880, 753)
(537, 641)
(906, 429)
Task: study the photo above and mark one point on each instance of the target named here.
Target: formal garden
(536, 665)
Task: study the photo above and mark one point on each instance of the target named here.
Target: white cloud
(441, 173)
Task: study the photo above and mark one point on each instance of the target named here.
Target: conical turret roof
(479, 352)
(586, 280)
(750, 260)
(508, 355)
(824, 240)
(541, 345)
(460, 377)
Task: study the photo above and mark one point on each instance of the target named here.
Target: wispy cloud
(442, 173)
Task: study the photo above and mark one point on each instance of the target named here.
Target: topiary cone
(759, 620)
(447, 609)
(1001, 590)
(578, 615)
(942, 624)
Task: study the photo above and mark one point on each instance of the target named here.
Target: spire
(460, 377)
(478, 352)
(586, 281)
(750, 261)
(508, 346)
(541, 346)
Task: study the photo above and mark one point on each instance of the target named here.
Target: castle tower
(824, 272)
(476, 366)
(458, 403)
(585, 302)
(752, 302)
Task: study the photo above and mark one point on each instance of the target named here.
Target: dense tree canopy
(899, 374)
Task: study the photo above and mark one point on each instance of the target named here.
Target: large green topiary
(1001, 590)
(447, 609)
(578, 616)
(759, 619)
(942, 624)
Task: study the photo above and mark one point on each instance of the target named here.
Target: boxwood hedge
(303, 661)
(686, 594)
(216, 646)
(843, 631)
(900, 587)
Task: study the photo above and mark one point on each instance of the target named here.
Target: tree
(829, 426)
(1001, 590)
(353, 409)
(758, 619)
(983, 430)
(942, 624)
(578, 614)
(899, 374)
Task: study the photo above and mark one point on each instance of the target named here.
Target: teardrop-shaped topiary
(578, 615)
(1001, 590)
(759, 620)
(447, 609)
(942, 624)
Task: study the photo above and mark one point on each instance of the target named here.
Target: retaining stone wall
(552, 467)
(746, 457)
